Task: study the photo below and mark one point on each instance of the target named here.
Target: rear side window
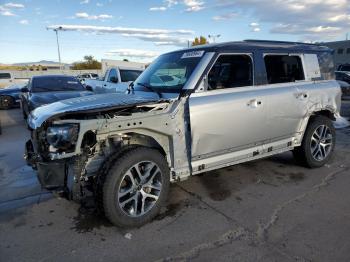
(231, 71)
(283, 68)
(325, 60)
(5, 76)
(129, 75)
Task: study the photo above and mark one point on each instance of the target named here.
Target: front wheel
(6, 102)
(318, 143)
(136, 187)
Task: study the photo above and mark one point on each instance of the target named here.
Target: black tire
(114, 179)
(6, 102)
(303, 154)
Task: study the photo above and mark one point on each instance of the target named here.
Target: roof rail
(276, 42)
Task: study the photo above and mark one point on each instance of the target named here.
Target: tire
(318, 143)
(131, 199)
(6, 102)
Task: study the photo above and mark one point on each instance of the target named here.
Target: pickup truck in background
(7, 79)
(116, 79)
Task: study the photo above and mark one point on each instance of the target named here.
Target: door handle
(254, 103)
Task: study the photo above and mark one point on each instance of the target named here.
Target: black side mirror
(89, 88)
(24, 89)
(113, 79)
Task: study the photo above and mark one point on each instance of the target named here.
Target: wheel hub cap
(140, 189)
(321, 142)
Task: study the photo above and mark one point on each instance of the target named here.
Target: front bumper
(52, 175)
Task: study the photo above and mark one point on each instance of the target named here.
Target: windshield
(169, 72)
(59, 83)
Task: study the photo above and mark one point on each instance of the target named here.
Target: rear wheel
(6, 102)
(136, 186)
(318, 143)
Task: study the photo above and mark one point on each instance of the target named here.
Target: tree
(88, 63)
(200, 41)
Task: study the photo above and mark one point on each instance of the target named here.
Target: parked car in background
(7, 79)
(85, 76)
(191, 111)
(344, 68)
(43, 90)
(343, 78)
(116, 79)
(10, 96)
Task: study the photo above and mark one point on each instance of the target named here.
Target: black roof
(251, 45)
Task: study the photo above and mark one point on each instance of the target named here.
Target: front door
(230, 114)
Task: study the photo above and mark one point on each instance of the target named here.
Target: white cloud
(166, 5)
(7, 13)
(14, 5)
(24, 22)
(84, 2)
(93, 17)
(227, 16)
(193, 5)
(310, 19)
(254, 24)
(157, 36)
(99, 4)
(255, 27)
(133, 53)
(158, 8)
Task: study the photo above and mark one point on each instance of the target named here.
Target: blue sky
(140, 30)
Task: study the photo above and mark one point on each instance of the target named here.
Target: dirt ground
(266, 210)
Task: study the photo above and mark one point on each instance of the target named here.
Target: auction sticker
(192, 54)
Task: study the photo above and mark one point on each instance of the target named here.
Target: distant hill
(42, 62)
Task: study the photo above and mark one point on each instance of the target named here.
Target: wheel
(136, 187)
(318, 143)
(6, 102)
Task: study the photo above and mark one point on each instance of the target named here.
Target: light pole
(58, 45)
(213, 37)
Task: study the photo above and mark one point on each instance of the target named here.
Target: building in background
(341, 51)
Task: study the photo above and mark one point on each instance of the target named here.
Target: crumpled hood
(81, 104)
(42, 98)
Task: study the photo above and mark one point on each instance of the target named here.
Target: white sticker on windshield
(192, 54)
(72, 82)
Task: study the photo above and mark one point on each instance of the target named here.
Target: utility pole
(213, 37)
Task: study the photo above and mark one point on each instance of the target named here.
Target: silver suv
(189, 112)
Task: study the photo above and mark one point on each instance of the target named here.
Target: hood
(82, 104)
(42, 98)
(10, 89)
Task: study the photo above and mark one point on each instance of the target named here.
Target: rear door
(287, 88)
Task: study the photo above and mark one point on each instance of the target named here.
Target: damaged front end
(70, 148)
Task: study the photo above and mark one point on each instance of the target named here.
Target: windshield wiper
(151, 89)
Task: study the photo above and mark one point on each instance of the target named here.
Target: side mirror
(24, 89)
(113, 79)
(89, 88)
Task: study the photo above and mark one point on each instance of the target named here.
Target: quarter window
(340, 50)
(283, 68)
(231, 71)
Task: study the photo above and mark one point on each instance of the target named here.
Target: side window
(231, 71)
(112, 75)
(283, 68)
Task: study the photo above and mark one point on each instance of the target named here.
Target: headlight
(63, 137)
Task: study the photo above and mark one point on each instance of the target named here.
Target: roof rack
(275, 42)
